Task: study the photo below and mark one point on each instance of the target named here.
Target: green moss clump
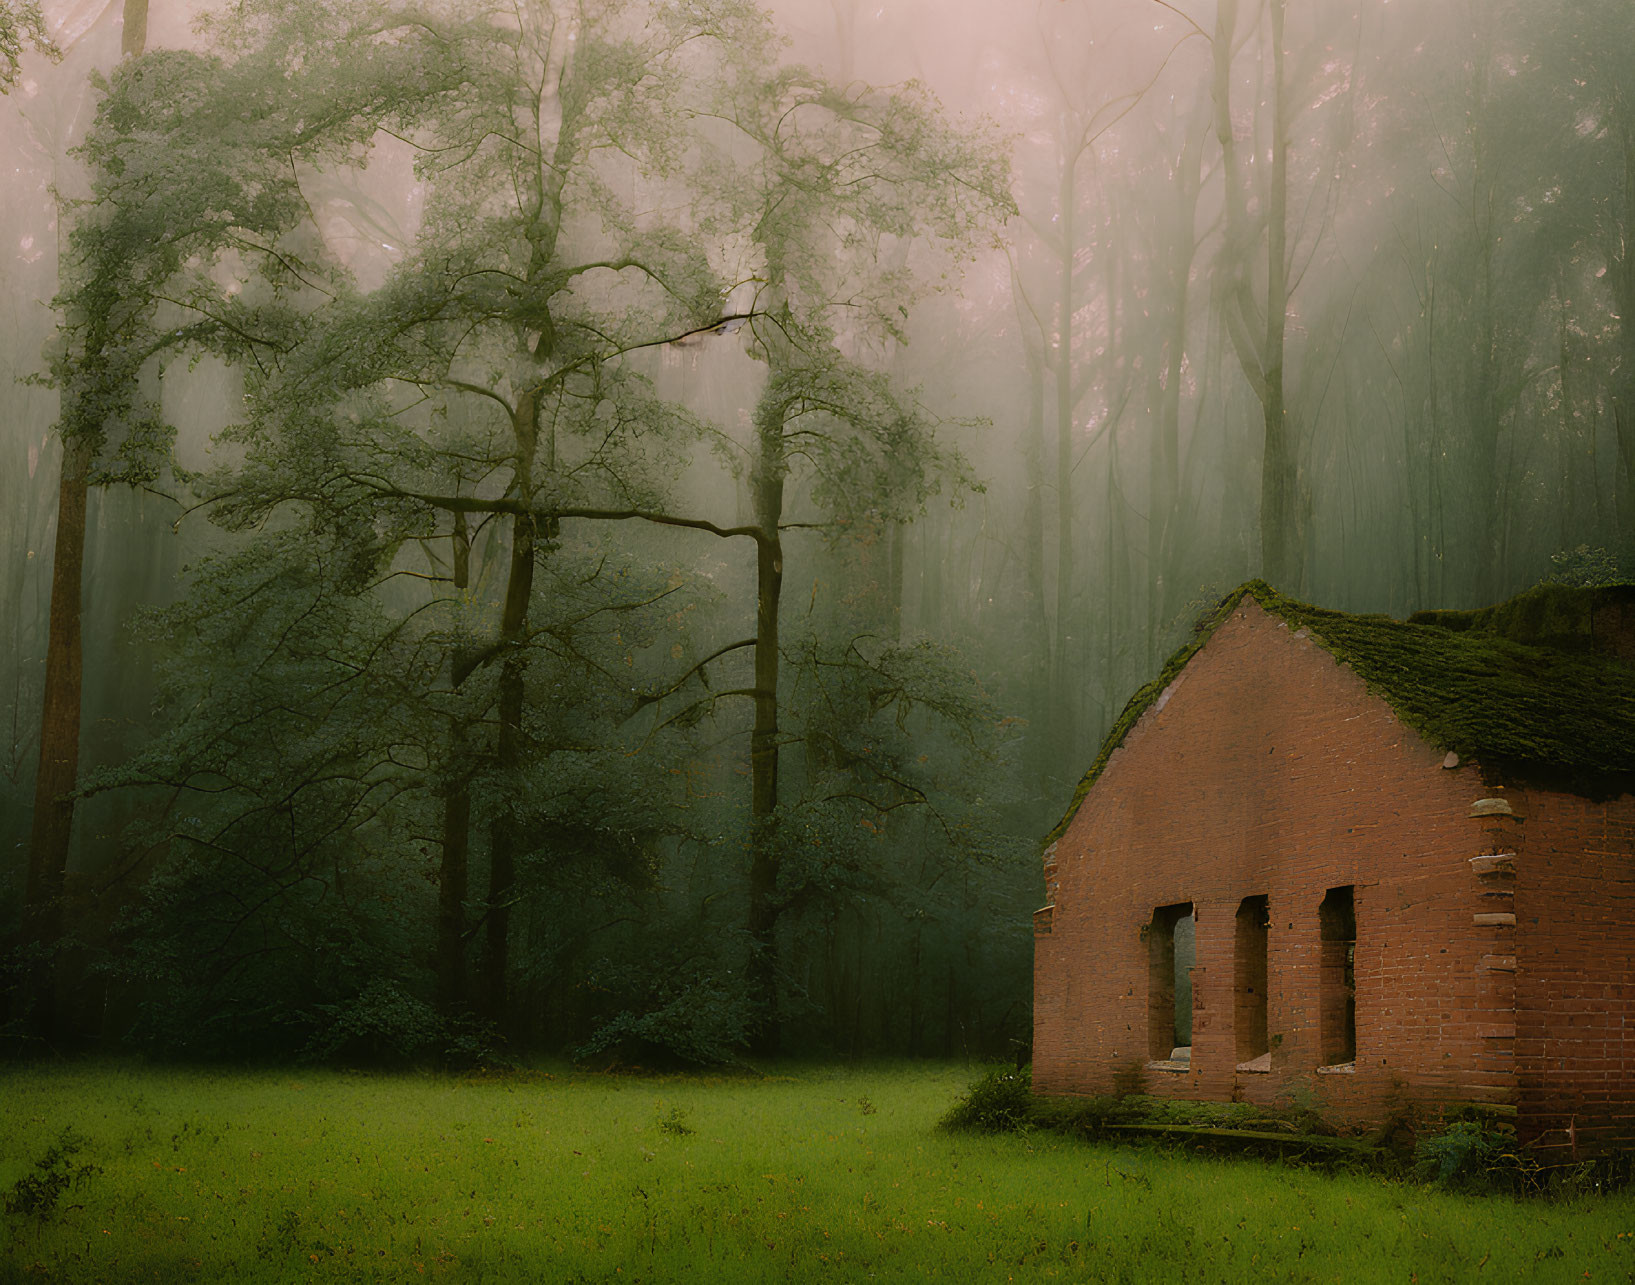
(1547, 615)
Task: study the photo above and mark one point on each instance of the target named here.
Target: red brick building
(1353, 860)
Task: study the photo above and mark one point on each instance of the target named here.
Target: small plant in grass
(675, 1124)
(281, 1240)
(866, 1106)
(37, 1193)
(1000, 1102)
(1472, 1156)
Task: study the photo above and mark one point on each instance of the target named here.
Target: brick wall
(1269, 770)
(1575, 973)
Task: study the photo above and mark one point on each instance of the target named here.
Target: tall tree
(834, 174)
(82, 429)
(812, 179)
(1097, 312)
(1258, 325)
(182, 211)
(493, 358)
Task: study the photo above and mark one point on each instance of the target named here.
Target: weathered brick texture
(1575, 972)
(1493, 953)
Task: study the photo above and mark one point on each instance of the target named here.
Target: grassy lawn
(814, 1173)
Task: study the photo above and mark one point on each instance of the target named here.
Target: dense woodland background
(613, 528)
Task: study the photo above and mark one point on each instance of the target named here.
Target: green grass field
(813, 1173)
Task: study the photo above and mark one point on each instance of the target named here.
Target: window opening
(1337, 929)
(1171, 953)
(1250, 939)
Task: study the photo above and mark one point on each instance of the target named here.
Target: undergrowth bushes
(1473, 1151)
(1000, 1102)
(1471, 1156)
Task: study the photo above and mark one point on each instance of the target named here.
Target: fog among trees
(613, 528)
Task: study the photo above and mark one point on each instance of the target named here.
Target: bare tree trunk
(453, 883)
(505, 836)
(1041, 696)
(133, 40)
(896, 538)
(1484, 410)
(1281, 531)
(768, 482)
(453, 873)
(505, 832)
(1258, 335)
(1061, 681)
(43, 915)
(1164, 514)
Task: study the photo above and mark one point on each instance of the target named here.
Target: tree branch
(642, 701)
(755, 533)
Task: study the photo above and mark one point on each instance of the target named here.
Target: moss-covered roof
(1527, 688)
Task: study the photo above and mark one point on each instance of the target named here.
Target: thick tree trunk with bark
(453, 873)
(505, 835)
(44, 914)
(768, 482)
(1042, 757)
(453, 883)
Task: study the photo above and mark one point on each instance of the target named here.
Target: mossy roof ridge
(1547, 615)
(1462, 685)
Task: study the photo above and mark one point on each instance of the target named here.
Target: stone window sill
(1179, 1059)
(1261, 1065)
(1339, 1068)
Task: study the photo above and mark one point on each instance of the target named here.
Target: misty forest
(611, 528)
